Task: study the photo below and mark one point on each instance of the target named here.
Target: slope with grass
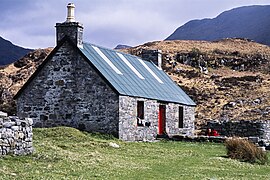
(227, 91)
(66, 153)
(14, 75)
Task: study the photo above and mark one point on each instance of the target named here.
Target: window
(140, 109)
(181, 117)
(140, 113)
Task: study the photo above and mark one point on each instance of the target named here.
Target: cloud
(31, 23)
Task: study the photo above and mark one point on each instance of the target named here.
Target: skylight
(151, 72)
(130, 65)
(107, 60)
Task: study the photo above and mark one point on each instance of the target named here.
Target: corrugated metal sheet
(155, 83)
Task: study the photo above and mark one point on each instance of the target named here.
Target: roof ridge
(105, 48)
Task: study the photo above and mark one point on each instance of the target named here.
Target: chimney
(70, 12)
(70, 28)
(154, 56)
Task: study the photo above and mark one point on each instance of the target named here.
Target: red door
(162, 120)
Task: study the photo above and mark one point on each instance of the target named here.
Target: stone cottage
(96, 89)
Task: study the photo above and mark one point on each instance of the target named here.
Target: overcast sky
(30, 23)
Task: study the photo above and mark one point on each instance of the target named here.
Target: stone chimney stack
(70, 28)
(154, 56)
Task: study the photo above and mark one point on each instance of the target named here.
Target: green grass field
(66, 153)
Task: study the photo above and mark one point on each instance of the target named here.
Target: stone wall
(68, 92)
(129, 131)
(74, 30)
(154, 56)
(15, 135)
(260, 129)
(172, 120)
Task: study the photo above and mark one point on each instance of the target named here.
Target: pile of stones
(16, 136)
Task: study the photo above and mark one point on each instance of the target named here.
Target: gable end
(40, 67)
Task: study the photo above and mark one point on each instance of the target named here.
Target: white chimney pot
(70, 12)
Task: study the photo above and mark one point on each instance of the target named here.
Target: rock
(19, 123)
(257, 101)
(261, 143)
(262, 148)
(253, 139)
(8, 124)
(114, 145)
(30, 121)
(15, 128)
(3, 114)
(229, 105)
(21, 135)
(13, 118)
(232, 104)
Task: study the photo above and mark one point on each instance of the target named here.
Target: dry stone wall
(258, 129)
(15, 135)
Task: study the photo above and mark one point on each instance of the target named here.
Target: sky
(30, 23)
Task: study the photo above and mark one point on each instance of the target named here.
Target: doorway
(162, 120)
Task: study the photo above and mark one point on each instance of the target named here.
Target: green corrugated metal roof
(131, 76)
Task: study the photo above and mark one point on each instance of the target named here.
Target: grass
(66, 153)
(244, 150)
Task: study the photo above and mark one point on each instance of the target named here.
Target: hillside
(66, 153)
(13, 76)
(237, 84)
(251, 22)
(10, 52)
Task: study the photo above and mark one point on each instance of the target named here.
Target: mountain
(14, 75)
(10, 52)
(251, 22)
(122, 46)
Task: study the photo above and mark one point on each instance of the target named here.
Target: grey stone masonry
(67, 91)
(259, 129)
(16, 136)
(154, 56)
(130, 131)
(172, 120)
(74, 30)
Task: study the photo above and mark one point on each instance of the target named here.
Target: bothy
(96, 89)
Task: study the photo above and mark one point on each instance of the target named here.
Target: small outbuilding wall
(15, 135)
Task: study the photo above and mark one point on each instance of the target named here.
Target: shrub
(244, 150)
(195, 53)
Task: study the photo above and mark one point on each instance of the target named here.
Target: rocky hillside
(13, 76)
(228, 79)
(10, 52)
(250, 22)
